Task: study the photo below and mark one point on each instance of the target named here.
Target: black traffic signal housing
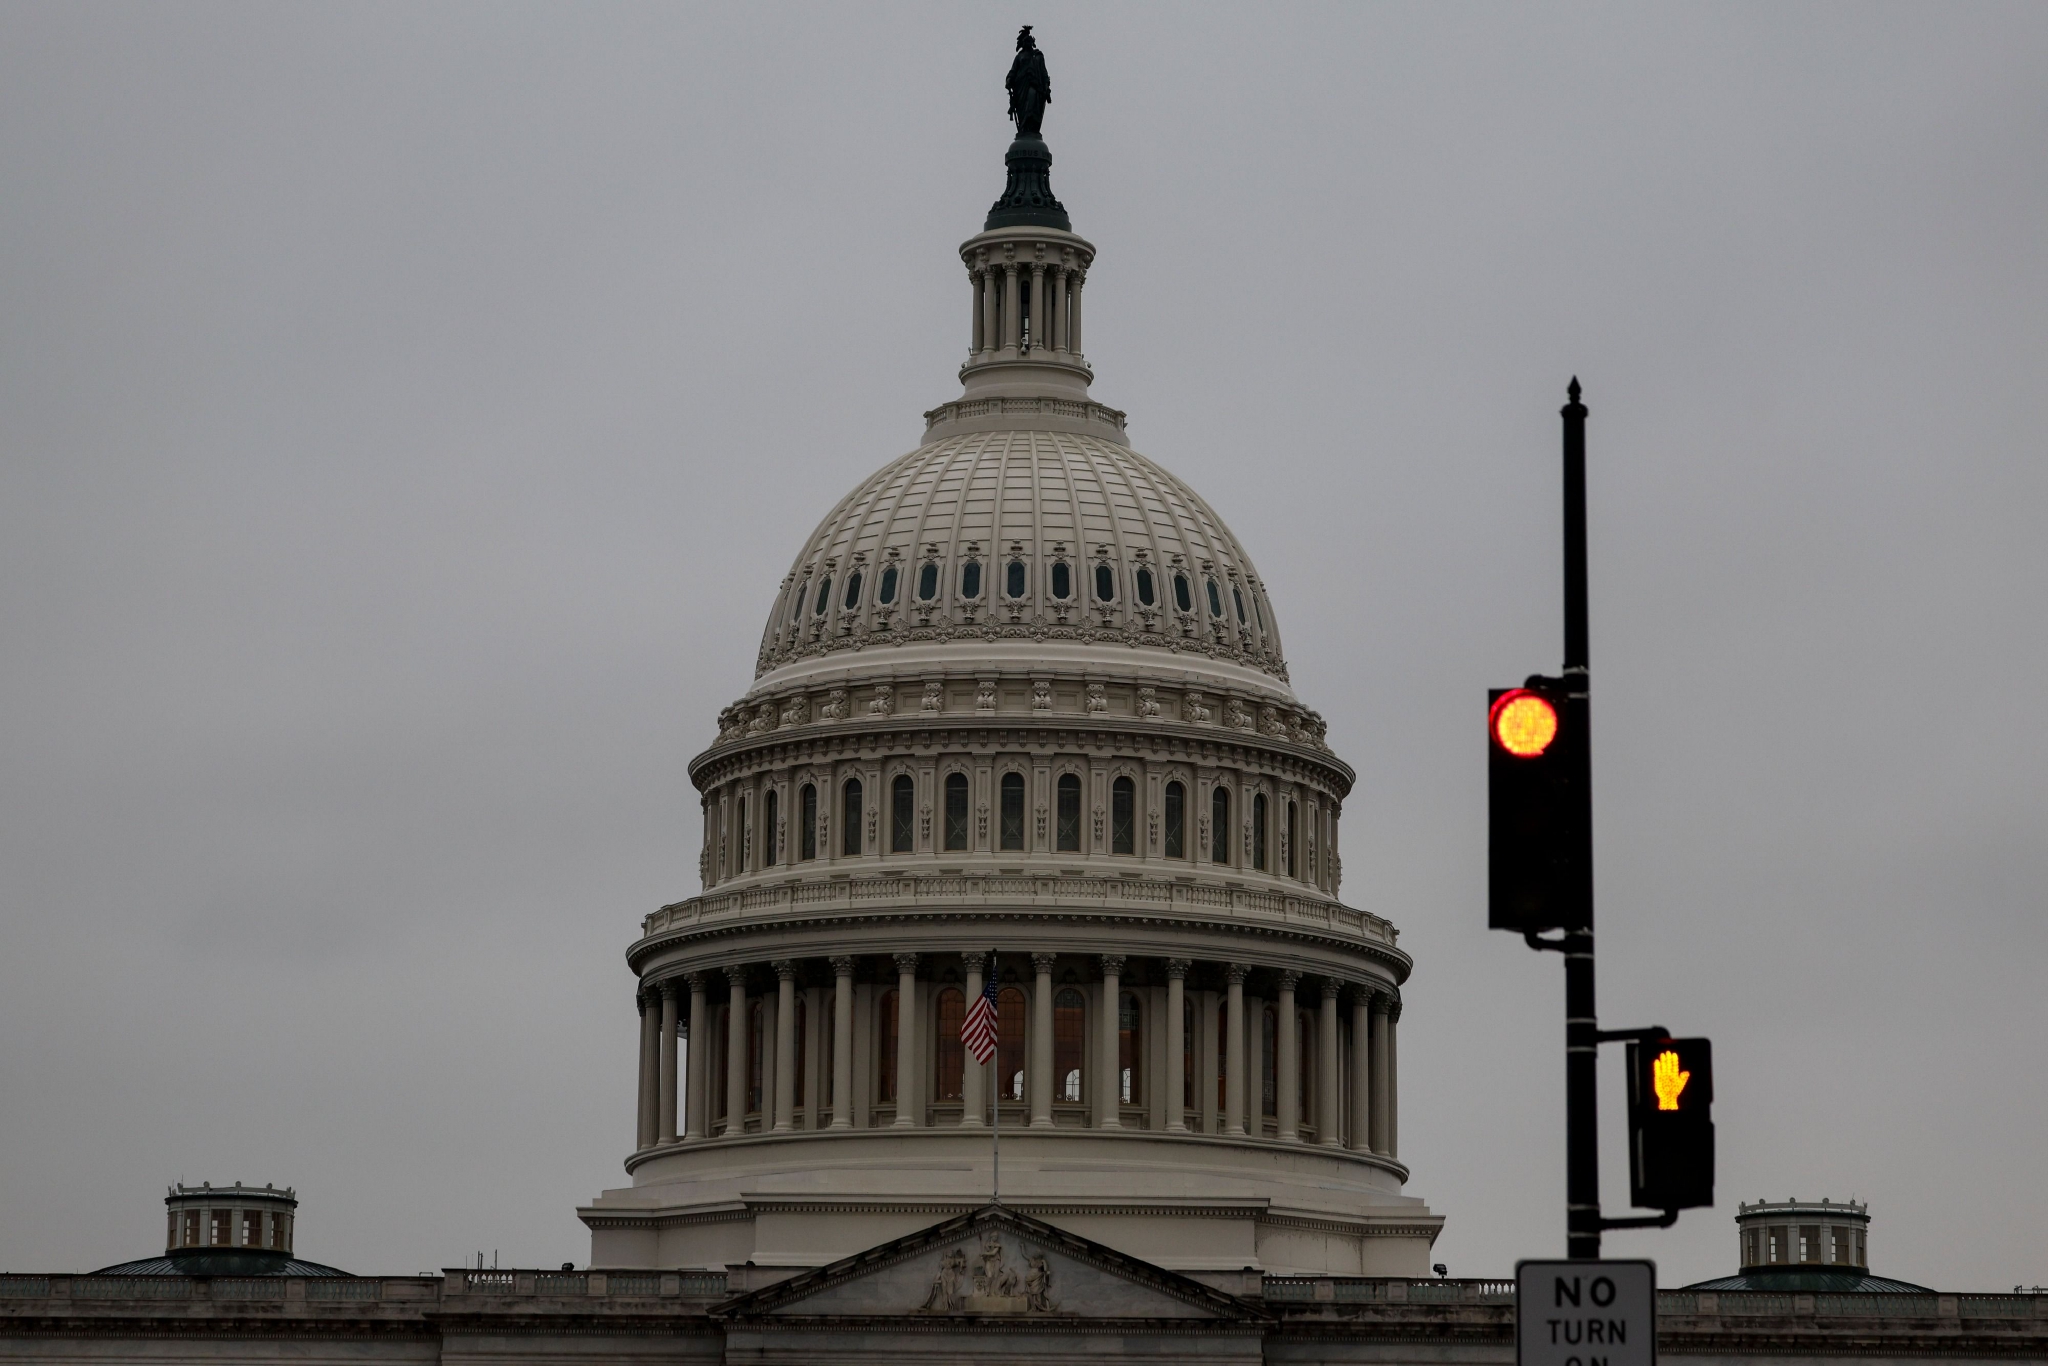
(1671, 1123)
(1539, 810)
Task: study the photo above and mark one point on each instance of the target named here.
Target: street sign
(1585, 1314)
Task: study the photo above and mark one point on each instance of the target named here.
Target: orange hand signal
(1667, 1080)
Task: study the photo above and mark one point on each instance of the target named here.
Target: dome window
(1105, 583)
(1182, 598)
(852, 591)
(1013, 579)
(1013, 811)
(796, 612)
(1259, 831)
(1146, 597)
(887, 594)
(1062, 580)
(824, 595)
(1215, 600)
(1123, 817)
(1069, 832)
(1257, 615)
(1219, 825)
(956, 811)
(1176, 820)
(1238, 594)
(928, 582)
(807, 823)
(970, 579)
(902, 814)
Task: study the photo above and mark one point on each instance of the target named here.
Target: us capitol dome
(1020, 714)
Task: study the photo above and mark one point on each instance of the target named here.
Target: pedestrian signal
(1670, 1123)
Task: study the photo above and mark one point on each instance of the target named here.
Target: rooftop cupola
(1025, 368)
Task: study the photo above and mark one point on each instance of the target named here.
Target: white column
(1361, 1071)
(785, 1045)
(1110, 1116)
(1289, 1061)
(736, 1053)
(1379, 1073)
(1328, 1124)
(1233, 1054)
(695, 1105)
(908, 1104)
(842, 1043)
(1393, 1081)
(1037, 306)
(1176, 1044)
(650, 1049)
(973, 1075)
(1041, 1043)
(667, 1080)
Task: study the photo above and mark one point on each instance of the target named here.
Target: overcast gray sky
(410, 410)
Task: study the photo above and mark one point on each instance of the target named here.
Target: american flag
(978, 1030)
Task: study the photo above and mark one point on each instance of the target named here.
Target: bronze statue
(1029, 86)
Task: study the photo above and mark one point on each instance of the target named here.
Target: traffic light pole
(1581, 1017)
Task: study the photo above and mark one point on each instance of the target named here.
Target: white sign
(1585, 1313)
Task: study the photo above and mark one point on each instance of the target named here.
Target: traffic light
(1539, 839)
(1671, 1123)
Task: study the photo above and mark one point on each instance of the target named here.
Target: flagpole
(995, 1066)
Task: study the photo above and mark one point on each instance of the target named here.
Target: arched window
(956, 810)
(1176, 820)
(1069, 815)
(771, 838)
(849, 812)
(1291, 840)
(1123, 817)
(1181, 598)
(1146, 597)
(1238, 594)
(1269, 1061)
(1259, 831)
(796, 611)
(1013, 811)
(1130, 1050)
(1013, 579)
(757, 1029)
(746, 834)
(1105, 583)
(928, 582)
(970, 579)
(952, 1055)
(852, 598)
(722, 1087)
(824, 595)
(807, 823)
(1010, 1038)
(1069, 1038)
(1062, 580)
(1219, 825)
(902, 815)
(885, 1040)
(887, 594)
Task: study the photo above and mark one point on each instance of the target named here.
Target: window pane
(1062, 580)
(885, 1090)
(1176, 821)
(902, 815)
(849, 838)
(771, 850)
(1013, 811)
(1145, 586)
(824, 595)
(970, 579)
(1010, 1038)
(1238, 594)
(1219, 825)
(1291, 839)
(1180, 593)
(956, 810)
(1069, 840)
(1123, 802)
(1259, 831)
(888, 593)
(1069, 1019)
(1013, 581)
(1215, 600)
(952, 1054)
(928, 582)
(1105, 583)
(807, 823)
(852, 591)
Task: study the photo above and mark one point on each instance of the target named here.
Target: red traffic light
(1523, 723)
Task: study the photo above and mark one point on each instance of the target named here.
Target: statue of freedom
(1030, 88)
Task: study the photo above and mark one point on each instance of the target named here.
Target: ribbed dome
(1032, 537)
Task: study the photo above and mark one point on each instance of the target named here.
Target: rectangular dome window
(1062, 580)
(970, 579)
(1013, 579)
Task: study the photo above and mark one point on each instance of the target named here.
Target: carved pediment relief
(990, 1264)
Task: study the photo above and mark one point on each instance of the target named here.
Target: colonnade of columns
(1004, 290)
(1349, 1100)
